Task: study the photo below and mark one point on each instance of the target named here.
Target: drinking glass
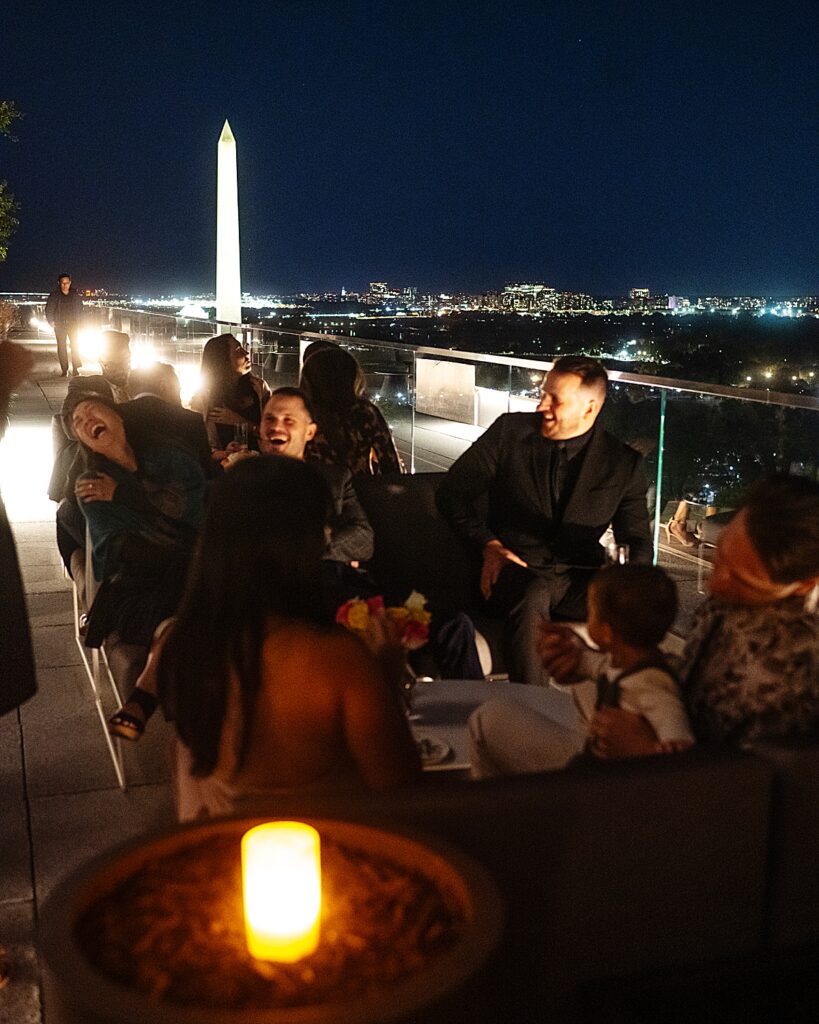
(617, 554)
(240, 435)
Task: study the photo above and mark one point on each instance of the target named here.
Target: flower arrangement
(411, 618)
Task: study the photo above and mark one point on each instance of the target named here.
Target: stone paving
(60, 804)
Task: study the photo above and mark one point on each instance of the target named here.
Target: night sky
(591, 146)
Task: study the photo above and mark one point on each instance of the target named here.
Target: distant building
(638, 298)
(527, 298)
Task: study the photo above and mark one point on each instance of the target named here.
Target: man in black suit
(156, 408)
(535, 493)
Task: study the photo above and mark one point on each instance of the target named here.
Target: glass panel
(437, 403)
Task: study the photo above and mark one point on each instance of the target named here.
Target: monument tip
(227, 134)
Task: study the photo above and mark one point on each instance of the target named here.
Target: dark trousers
(64, 333)
(528, 597)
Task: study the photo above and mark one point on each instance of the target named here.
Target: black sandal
(128, 726)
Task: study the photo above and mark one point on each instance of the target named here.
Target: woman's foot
(130, 721)
(676, 530)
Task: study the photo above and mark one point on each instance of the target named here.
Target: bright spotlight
(143, 354)
(190, 381)
(90, 345)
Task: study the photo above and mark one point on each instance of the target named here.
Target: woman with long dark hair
(351, 430)
(266, 693)
(231, 396)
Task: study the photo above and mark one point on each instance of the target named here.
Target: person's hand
(560, 649)
(221, 414)
(495, 557)
(16, 363)
(95, 488)
(616, 733)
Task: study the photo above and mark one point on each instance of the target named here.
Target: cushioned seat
(416, 549)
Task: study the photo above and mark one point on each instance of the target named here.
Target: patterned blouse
(751, 673)
(363, 443)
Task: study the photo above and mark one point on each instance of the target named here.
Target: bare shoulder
(318, 648)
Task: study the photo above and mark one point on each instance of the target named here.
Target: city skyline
(449, 146)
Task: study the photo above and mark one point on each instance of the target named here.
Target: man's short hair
(638, 602)
(61, 276)
(157, 378)
(590, 371)
(782, 519)
(290, 392)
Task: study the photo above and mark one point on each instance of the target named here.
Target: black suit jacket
(151, 416)
(495, 491)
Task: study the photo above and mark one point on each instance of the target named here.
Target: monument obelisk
(228, 274)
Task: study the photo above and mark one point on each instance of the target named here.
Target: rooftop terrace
(60, 803)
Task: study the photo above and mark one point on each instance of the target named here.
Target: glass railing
(702, 443)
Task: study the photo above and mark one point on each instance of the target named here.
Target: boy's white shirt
(651, 692)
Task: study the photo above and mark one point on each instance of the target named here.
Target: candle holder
(415, 918)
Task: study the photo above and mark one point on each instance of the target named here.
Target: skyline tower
(228, 269)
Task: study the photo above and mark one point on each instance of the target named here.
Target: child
(631, 608)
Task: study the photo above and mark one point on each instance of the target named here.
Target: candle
(281, 879)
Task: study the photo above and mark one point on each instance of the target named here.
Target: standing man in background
(64, 312)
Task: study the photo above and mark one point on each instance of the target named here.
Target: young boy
(630, 610)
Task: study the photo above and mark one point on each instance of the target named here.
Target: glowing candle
(281, 878)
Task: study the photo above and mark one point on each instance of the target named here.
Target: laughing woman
(143, 504)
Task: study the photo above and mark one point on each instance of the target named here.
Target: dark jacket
(496, 491)
(63, 309)
(150, 415)
(17, 678)
(352, 538)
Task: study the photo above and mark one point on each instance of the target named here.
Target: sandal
(126, 726)
(130, 725)
(679, 533)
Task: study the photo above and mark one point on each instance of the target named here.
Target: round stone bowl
(445, 989)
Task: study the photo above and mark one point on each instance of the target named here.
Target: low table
(444, 706)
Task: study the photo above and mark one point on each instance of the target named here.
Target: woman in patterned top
(750, 670)
(351, 430)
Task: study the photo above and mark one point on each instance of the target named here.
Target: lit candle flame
(281, 878)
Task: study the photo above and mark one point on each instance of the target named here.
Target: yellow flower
(358, 616)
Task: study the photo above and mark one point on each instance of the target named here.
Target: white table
(445, 705)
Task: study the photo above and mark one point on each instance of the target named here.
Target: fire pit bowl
(104, 947)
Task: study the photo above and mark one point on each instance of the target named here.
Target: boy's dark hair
(782, 519)
(291, 392)
(590, 371)
(639, 602)
(61, 276)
